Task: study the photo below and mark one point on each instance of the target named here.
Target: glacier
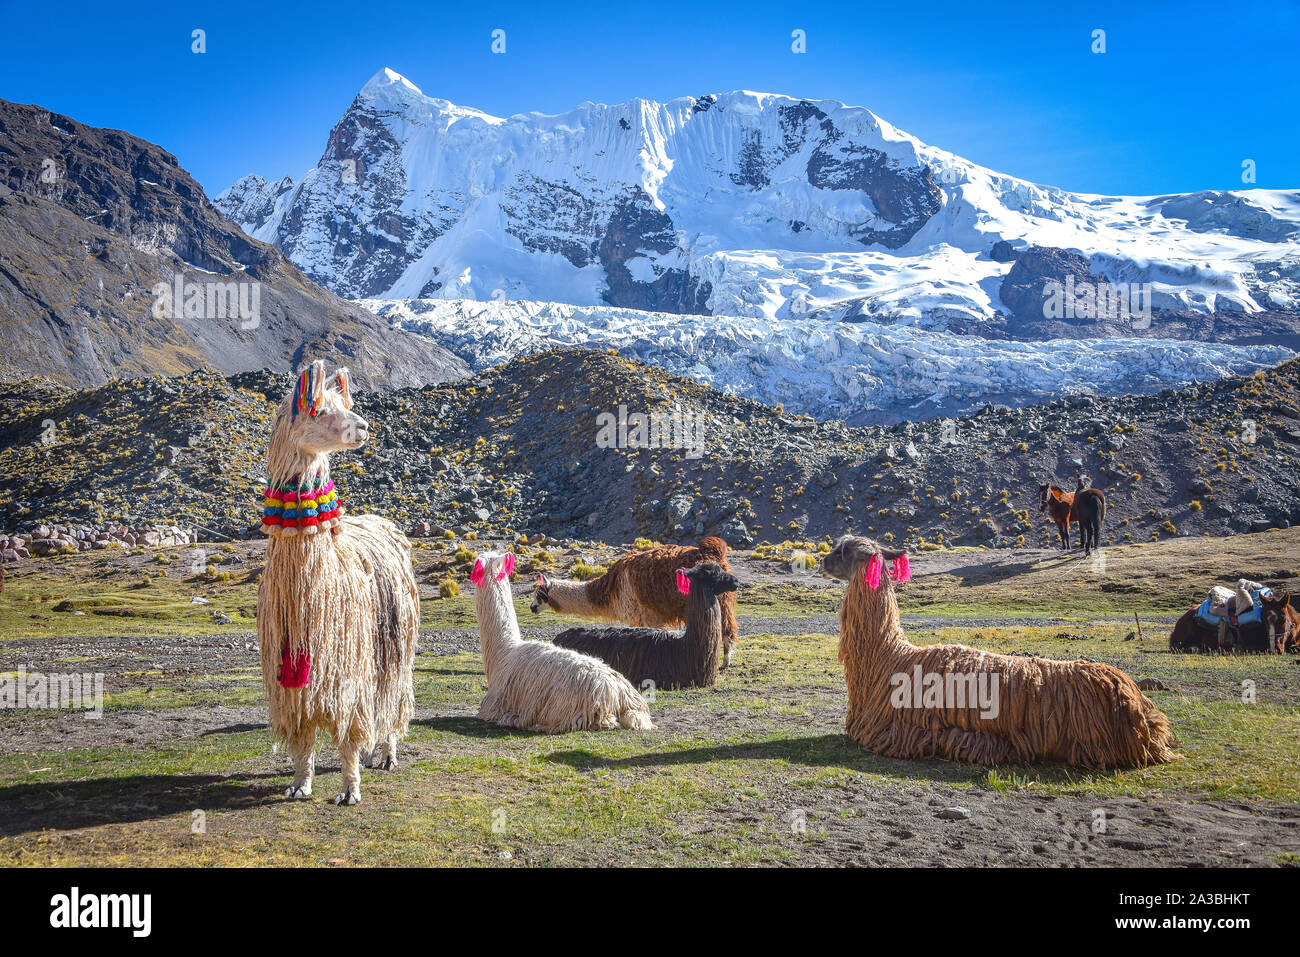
(862, 372)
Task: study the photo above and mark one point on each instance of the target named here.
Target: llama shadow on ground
(816, 751)
(472, 727)
(70, 805)
(237, 728)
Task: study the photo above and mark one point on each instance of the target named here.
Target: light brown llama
(640, 589)
(338, 611)
(963, 704)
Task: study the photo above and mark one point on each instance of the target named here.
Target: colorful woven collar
(290, 508)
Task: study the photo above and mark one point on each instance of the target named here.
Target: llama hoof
(349, 797)
(298, 793)
(384, 762)
(381, 760)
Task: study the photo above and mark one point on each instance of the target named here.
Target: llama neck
(571, 598)
(869, 617)
(300, 499)
(498, 627)
(287, 466)
(703, 628)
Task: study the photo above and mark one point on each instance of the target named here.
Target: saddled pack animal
(1272, 625)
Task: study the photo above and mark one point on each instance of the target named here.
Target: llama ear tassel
(507, 566)
(476, 576)
(874, 569)
(309, 390)
(683, 583)
(317, 384)
(902, 569)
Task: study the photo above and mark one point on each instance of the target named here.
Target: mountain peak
(388, 81)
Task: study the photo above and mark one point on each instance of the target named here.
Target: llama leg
(350, 757)
(303, 749)
(384, 756)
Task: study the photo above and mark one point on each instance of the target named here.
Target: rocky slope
(743, 204)
(92, 220)
(515, 447)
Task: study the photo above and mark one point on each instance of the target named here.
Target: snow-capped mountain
(740, 204)
(863, 372)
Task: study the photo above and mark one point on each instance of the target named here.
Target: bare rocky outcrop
(91, 220)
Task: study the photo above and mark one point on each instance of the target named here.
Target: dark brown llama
(670, 659)
(639, 589)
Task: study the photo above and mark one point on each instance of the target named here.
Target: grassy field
(755, 770)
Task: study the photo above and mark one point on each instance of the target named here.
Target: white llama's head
(491, 568)
(316, 418)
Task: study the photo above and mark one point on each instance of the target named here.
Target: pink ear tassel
(507, 566)
(902, 570)
(683, 583)
(476, 576)
(874, 569)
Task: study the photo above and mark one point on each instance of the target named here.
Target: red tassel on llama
(902, 569)
(507, 568)
(295, 668)
(875, 567)
(683, 583)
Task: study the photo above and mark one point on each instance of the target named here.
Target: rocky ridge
(514, 450)
(92, 220)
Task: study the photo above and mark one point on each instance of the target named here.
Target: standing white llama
(338, 611)
(535, 686)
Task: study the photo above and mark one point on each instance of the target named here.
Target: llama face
(541, 594)
(1042, 497)
(327, 423)
(852, 553)
(710, 576)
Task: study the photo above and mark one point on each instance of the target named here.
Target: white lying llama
(338, 612)
(534, 685)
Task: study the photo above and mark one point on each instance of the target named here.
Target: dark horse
(1059, 503)
(1089, 510)
(1278, 631)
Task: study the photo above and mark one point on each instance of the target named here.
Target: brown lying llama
(668, 659)
(963, 704)
(639, 589)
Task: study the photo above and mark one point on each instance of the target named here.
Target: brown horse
(1278, 631)
(1060, 504)
(1089, 510)
(1281, 624)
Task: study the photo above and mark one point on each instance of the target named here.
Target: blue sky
(1183, 94)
